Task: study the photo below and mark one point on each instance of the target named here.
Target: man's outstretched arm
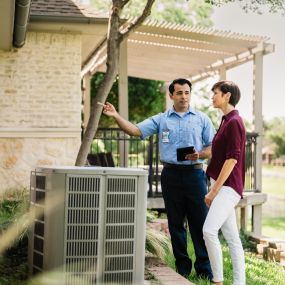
(125, 125)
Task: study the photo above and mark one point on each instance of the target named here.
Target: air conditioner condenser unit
(89, 224)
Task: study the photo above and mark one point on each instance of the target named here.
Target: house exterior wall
(40, 106)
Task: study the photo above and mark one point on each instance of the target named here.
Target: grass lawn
(273, 185)
(274, 227)
(274, 168)
(258, 271)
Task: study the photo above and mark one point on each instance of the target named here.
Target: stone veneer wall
(40, 106)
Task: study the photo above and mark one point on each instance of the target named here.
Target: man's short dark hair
(180, 81)
(228, 86)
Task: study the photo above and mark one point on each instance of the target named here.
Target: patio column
(86, 98)
(123, 99)
(168, 101)
(257, 115)
(258, 127)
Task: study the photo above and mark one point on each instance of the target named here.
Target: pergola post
(123, 99)
(223, 73)
(168, 101)
(258, 128)
(257, 115)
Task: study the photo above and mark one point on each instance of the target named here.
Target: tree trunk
(114, 38)
(104, 89)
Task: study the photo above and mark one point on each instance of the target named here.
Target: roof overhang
(7, 13)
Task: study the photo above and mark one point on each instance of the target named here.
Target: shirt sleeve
(208, 132)
(234, 137)
(149, 126)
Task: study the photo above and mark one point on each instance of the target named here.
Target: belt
(183, 166)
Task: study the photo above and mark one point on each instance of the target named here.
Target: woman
(227, 172)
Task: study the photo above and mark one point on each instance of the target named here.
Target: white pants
(222, 216)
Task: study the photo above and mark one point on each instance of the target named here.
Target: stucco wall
(40, 106)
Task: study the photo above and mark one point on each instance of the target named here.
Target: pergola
(164, 51)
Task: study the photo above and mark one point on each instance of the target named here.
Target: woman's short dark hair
(180, 81)
(228, 86)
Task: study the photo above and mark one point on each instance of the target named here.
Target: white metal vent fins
(89, 224)
(120, 230)
(37, 198)
(81, 239)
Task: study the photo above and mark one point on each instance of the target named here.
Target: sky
(231, 17)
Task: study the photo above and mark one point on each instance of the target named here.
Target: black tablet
(183, 151)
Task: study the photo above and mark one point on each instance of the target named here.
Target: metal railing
(145, 154)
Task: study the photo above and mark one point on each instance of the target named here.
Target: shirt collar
(230, 115)
(190, 110)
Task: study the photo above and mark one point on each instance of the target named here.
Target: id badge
(165, 137)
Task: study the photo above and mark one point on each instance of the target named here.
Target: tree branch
(133, 25)
(123, 3)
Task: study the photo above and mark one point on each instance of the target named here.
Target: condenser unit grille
(81, 232)
(119, 247)
(125, 277)
(38, 195)
(89, 224)
(120, 230)
(117, 232)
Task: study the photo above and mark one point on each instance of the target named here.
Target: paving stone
(282, 258)
(260, 248)
(273, 254)
(278, 244)
(168, 276)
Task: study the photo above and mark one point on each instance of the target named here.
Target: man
(183, 182)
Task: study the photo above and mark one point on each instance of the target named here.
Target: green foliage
(247, 244)
(13, 263)
(257, 6)
(195, 12)
(157, 243)
(204, 103)
(151, 216)
(279, 140)
(275, 133)
(13, 205)
(145, 98)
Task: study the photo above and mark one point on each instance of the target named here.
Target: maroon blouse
(229, 142)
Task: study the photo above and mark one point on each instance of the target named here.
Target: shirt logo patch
(165, 136)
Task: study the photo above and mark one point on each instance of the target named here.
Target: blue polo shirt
(193, 128)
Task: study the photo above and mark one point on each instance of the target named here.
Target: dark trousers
(184, 191)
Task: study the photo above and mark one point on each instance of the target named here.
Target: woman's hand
(209, 198)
